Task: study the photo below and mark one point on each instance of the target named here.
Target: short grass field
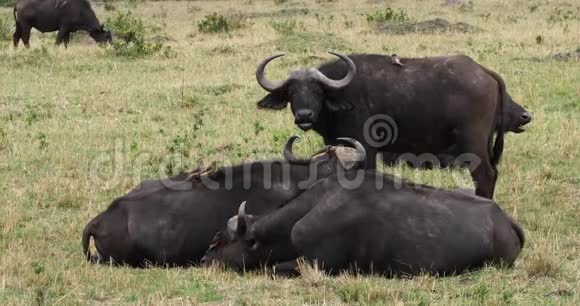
(81, 126)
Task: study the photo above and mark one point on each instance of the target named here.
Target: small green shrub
(214, 23)
(180, 143)
(388, 15)
(562, 16)
(5, 31)
(39, 56)
(4, 141)
(7, 2)
(284, 27)
(129, 36)
(217, 23)
(532, 8)
(109, 6)
(134, 3)
(42, 142)
(469, 6)
(325, 22)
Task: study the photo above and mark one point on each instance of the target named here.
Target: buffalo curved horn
(242, 218)
(288, 154)
(336, 84)
(357, 145)
(268, 86)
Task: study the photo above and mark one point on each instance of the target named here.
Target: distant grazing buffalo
(392, 231)
(64, 16)
(171, 222)
(412, 106)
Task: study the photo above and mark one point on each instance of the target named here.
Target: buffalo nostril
(304, 114)
(526, 116)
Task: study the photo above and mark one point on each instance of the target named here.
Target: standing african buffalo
(64, 16)
(394, 230)
(436, 105)
(171, 222)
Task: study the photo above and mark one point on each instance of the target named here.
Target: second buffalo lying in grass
(395, 230)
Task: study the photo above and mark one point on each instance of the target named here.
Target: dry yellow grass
(61, 110)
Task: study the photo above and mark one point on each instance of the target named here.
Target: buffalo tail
(497, 150)
(519, 232)
(14, 13)
(88, 232)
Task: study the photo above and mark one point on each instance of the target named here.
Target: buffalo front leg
(62, 36)
(484, 178)
(478, 162)
(287, 269)
(66, 40)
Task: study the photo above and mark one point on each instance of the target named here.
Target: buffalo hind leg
(507, 245)
(25, 35)
(17, 35)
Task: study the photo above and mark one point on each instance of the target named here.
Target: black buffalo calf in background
(436, 105)
(171, 222)
(515, 119)
(392, 231)
(64, 16)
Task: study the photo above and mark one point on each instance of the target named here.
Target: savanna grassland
(81, 126)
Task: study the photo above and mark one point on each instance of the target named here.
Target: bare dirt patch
(433, 26)
(287, 12)
(568, 56)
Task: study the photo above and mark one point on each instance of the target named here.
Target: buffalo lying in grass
(171, 222)
(395, 230)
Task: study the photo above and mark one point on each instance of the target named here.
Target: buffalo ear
(242, 224)
(336, 107)
(273, 101)
(238, 225)
(233, 224)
